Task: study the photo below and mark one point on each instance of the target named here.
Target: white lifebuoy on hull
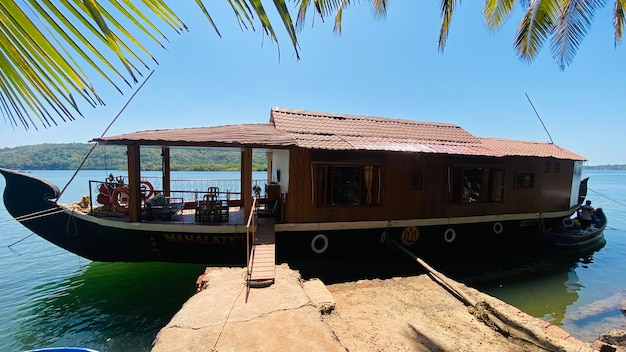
(567, 222)
(449, 235)
(314, 244)
(383, 237)
(498, 228)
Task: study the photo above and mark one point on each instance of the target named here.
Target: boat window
(416, 180)
(524, 180)
(348, 185)
(473, 185)
(546, 167)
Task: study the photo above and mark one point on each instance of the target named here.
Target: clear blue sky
(388, 68)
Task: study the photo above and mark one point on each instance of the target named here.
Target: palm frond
(281, 7)
(535, 27)
(40, 41)
(379, 7)
(497, 11)
(447, 10)
(325, 8)
(303, 7)
(618, 19)
(571, 27)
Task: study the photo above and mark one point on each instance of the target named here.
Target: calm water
(54, 298)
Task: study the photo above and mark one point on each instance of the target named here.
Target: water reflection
(539, 279)
(544, 287)
(112, 307)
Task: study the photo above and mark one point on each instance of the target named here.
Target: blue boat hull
(568, 234)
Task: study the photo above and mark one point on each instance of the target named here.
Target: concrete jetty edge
(400, 314)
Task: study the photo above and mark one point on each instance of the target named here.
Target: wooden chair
(211, 208)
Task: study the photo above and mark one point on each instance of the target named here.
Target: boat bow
(26, 195)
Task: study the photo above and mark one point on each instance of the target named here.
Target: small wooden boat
(569, 232)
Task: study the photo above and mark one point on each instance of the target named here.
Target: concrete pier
(399, 314)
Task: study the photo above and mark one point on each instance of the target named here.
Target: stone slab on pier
(398, 314)
(227, 316)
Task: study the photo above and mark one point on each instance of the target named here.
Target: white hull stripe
(325, 226)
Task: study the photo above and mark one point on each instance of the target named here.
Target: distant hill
(606, 167)
(69, 157)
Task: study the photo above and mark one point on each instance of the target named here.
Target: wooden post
(165, 160)
(270, 166)
(134, 177)
(246, 181)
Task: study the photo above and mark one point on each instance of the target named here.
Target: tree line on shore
(70, 156)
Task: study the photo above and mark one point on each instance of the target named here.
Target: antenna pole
(540, 120)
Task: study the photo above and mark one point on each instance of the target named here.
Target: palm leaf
(535, 27)
(447, 10)
(497, 11)
(302, 10)
(39, 76)
(281, 7)
(31, 61)
(325, 8)
(208, 16)
(618, 19)
(571, 27)
(56, 22)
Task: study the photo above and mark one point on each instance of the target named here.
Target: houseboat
(335, 183)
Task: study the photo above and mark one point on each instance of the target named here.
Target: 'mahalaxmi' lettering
(201, 239)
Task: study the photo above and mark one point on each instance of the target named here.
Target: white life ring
(498, 228)
(119, 199)
(567, 222)
(449, 235)
(149, 189)
(383, 237)
(324, 239)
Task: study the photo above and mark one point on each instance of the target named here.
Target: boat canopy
(328, 131)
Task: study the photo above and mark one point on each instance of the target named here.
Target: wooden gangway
(263, 254)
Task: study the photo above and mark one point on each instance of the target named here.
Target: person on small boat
(585, 214)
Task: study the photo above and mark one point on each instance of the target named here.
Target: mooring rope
(482, 310)
(103, 133)
(32, 216)
(607, 197)
(18, 241)
(232, 306)
(67, 226)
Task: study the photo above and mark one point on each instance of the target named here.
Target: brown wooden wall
(551, 190)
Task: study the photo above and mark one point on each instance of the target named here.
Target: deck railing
(250, 235)
(189, 190)
(198, 187)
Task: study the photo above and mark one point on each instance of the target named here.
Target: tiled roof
(315, 130)
(352, 132)
(510, 147)
(254, 135)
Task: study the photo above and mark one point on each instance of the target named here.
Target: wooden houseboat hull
(32, 201)
(336, 185)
